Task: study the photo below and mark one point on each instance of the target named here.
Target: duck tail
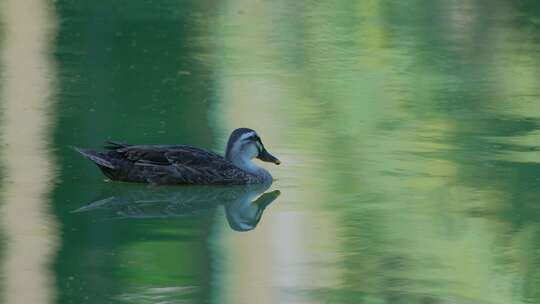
(114, 145)
(95, 156)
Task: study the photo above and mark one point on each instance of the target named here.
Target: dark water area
(409, 133)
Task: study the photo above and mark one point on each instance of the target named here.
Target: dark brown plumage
(178, 164)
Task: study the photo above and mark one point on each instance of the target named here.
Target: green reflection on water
(409, 133)
(132, 71)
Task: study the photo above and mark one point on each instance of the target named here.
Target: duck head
(244, 144)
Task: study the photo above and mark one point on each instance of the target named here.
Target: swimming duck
(183, 164)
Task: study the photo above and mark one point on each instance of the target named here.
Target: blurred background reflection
(29, 232)
(409, 133)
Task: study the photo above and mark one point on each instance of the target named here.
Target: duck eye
(254, 138)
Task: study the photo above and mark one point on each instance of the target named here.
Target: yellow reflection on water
(27, 90)
(375, 199)
(267, 263)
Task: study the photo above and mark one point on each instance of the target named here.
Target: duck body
(184, 164)
(168, 164)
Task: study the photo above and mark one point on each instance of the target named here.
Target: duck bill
(267, 157)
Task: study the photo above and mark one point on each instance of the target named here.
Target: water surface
(409, 134)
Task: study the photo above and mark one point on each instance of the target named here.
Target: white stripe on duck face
(247, 135)
(237, 144)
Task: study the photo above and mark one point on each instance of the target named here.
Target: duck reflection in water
(244, 205)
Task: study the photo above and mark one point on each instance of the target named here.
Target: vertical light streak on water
(267, 264)
(27, 91)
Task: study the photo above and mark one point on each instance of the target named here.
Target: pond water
(409, 133)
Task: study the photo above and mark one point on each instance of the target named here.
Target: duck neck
(243, 159)
(245, 164)
(249, 166)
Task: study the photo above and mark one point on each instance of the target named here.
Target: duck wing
(181, 164)
(191, 156)
(197, 166)
(157, 154)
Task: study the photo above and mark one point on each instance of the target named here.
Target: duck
(185, 164)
